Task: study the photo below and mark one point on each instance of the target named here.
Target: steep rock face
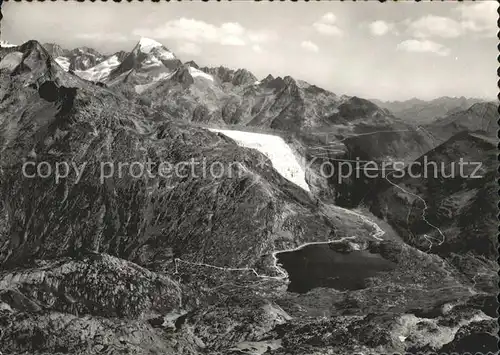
(243, 77)
(78, 59)
(33, 68)
(84, 58)
(187, 94)
(239, 77)
(192, 64)
(121, 55)
(54, 50)
(35, 57)
(183, 77)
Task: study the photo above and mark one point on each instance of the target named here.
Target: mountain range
(188, 263)
(237, 97)
(423, 112)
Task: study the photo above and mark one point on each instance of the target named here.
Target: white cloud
(195, 31)
(309, 46)
(103, 37)
(257, 48)
(422, 46)
(479, 18)
(232, 40)
(329, 30)
(261, 36)
(329, 17)
(189, 48)
(326, 25)
(435, 26)
(381, 28)
(233, 28)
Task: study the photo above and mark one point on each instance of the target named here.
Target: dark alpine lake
(319, 265)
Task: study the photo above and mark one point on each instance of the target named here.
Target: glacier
(101, 71)
(276, 149)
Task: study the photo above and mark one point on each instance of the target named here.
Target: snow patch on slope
(63, 62)
(151, 62)
(276, 149)
(164, 54)
(147, 44)
(100, 71)
(198, 73)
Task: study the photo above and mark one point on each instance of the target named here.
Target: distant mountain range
(237, 96)
(423, 112)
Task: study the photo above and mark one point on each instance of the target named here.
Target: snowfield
(101, 71)
(198, 73)
(276, 149)
(63, 62)
(146, 45)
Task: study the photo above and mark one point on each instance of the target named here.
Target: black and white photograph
(240, 177)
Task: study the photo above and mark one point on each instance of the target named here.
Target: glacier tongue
(276, 149)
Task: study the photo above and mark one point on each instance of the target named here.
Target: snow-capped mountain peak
(145, 45)
(148, 59)
(151, 47)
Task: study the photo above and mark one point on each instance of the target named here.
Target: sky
(388, 51)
